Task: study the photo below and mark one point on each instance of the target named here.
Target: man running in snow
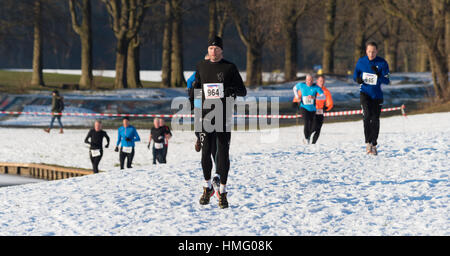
(370, 72)
(96, 136)
(167, 136)
(219, 82)
(126, 136)
(326, 101)
(158, 137)
(306, 93)
(196, 103)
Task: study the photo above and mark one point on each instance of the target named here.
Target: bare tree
(212, 9)
(288, 13)
(254, 36)
(126, 19)
(37, 78)
(167, 44)
(391, 39)
(332, 32)
(428, 20)
(176, 60)
(84, 30)
(133, 63)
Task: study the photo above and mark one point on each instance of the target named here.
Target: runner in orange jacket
(323, 102)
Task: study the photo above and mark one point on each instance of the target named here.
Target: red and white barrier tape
(339, 113)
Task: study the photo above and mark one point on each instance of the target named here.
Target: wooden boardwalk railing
(41, 171)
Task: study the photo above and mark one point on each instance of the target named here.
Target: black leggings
(317, 126)
(158, 154)
(128, 156)
(308, 117)
(220, 143)
(95, 160)
(371, 116)
(213, 145)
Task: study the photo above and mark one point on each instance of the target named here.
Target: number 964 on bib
(213, 90)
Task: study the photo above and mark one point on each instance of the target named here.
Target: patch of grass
(19, 82)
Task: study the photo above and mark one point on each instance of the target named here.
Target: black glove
(230, 92)
(375, 69)
(295, 105)
(128, 139)
(148, 146)
(359, 80)
(107, 145)
(116, 149)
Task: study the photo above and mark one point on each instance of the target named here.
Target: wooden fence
(42, 171)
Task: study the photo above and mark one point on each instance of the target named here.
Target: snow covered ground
(277, 188)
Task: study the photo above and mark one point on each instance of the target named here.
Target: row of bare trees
(412, 35)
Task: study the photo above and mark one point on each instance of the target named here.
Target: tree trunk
(121, 64)
(212, 18)
(133, 64)
(290, 52)
(447, 32)
(37, 76)
(254, 65)
(422, 61)
(329, 36)
(86, 79)
(177, 76)
(390, 53)
(167, 46)
(85, 32)
(439, 73)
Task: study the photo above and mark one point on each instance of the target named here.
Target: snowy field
(277, 188)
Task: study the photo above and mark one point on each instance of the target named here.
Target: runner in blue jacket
(307, 93)
(127, 135)
(370, 72)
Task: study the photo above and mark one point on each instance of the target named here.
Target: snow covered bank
(279, 188)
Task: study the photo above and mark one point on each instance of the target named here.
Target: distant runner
(167, 137)
(370, 72)
(306, 93)
(127, 136)
(323, 102)
(157, 134)
(95, 140)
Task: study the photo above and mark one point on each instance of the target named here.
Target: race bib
(308, 100)
(369, 78)
(319, 111)
(159, 145)
(95, 152)
(127, 149)
(213, 90)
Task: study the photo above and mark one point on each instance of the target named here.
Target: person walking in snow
(57, 108)
(127, 136)
(95, 139)
(370, 72)
(219, 82)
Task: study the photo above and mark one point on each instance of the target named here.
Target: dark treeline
(284, 36)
